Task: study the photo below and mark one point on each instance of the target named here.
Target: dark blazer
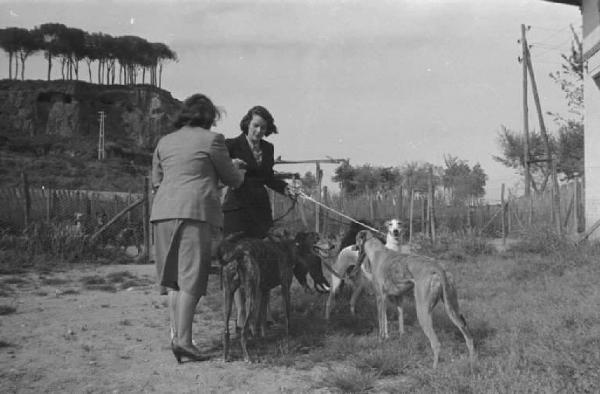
(252, 196)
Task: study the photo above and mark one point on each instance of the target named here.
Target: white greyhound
(348, 259)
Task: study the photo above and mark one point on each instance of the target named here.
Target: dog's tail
(450, 299)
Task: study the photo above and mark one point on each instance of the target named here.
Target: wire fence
(508, 218)
(56, 220)
(88, 220)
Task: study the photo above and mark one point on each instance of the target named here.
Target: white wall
(591, 86)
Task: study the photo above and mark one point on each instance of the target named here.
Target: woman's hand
(291, 191)
(239, 163)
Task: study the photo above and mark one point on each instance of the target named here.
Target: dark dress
(248, 208)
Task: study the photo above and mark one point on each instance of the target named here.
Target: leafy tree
(512, 145)
(53, 41)
(461, 181)
(309, 182)
(27, 43)
(344, 175)
(568, 147)
(9, 43)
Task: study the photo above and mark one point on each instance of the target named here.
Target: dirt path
(72, 332)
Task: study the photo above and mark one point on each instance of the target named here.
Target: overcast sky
(379, 82)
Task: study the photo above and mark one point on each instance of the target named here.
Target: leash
(309, 198)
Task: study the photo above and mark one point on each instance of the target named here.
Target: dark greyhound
(256, 266)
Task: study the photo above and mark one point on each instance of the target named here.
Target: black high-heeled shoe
(191, 354)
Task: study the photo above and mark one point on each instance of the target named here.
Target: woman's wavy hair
(263, 113)
(197, 111)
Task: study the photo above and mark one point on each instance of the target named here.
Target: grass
(7, 310)
(532, 311)
(348, 380)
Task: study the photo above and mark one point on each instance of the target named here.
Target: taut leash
(309, 198)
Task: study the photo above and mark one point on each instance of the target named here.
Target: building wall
(591, 86)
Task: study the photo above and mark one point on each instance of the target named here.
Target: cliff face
(136, 116)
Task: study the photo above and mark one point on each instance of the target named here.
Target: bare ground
(105, 329)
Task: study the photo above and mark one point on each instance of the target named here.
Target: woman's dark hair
(197, 111)
(263, 113)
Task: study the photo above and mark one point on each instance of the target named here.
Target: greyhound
(394, 275)
(257, 266)
(347, 260)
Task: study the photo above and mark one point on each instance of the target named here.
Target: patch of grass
(385, 361)
(7, 310)
(5, 290)
(101, 287)
(93, 280)
(4, 344)
(120, 276)
(54, 281)
(125, 322)
(348, 380)
(15, 280)
(70, 292)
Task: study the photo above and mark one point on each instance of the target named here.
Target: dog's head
(394, 228)
(311, 247)
(361, 239)
(226, 250)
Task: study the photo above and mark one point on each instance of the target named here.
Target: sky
(376, 82)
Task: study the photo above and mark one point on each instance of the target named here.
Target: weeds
(349, 379)
(7, 310)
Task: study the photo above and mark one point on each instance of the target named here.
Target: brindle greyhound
(394, 275)
(257, 266)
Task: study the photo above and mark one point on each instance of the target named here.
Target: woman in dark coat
(247, 208)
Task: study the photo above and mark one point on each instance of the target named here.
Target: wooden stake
(27, 197)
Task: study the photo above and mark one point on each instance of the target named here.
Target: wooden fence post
(576, 196)
(146, 220)
(27, 197)
(400, 203)
(410, 215)
(325, 214)
(503, 215)
(431, 205)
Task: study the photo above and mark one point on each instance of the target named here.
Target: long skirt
(183, 254)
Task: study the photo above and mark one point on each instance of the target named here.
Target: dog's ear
(387, 223)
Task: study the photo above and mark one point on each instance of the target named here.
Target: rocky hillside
(50, 130)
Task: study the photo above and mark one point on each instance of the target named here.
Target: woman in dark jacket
(247, 208)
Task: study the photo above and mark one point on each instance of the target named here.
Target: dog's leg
(240, 308)
(423, 305)
(250, 292)
(287, 305)
(356, 293)
(335, 283)
(262, 315)
(381, 314)
(228, 289)
(400, 307)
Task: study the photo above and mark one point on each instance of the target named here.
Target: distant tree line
(460, 183)
(124, 60)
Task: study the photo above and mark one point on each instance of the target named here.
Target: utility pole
(549, 160)
(525, 113)
(101, 151)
